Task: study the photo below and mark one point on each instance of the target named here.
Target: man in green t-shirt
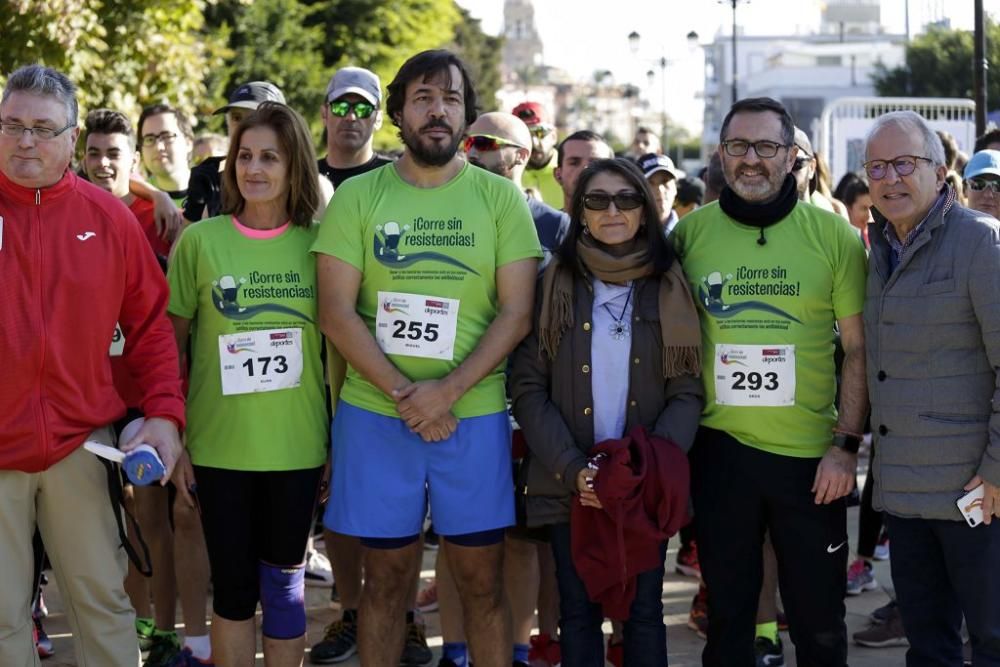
(426, 270)
(772, 277)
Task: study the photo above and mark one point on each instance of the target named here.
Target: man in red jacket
(73, 261)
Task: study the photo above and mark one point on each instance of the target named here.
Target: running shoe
(416, 653)
(860, 577)
(882, 548)
(427, 598)
(687, 560)
(544, 651)
(883, 635)
(768, 653)
(318, 570)
(698, 617)
(165, 648)
(186, 659)
(883, 614)
(340, 642)
(42, 642)
(144, 630)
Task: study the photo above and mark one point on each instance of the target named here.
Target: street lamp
(733, 3)
(633, 44)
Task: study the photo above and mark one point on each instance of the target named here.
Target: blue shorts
(384, 475)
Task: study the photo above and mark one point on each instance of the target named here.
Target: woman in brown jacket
(615, 345)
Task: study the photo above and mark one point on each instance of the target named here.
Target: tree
(120, 53)
(939, 63)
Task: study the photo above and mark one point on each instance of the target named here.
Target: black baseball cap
(251, 94)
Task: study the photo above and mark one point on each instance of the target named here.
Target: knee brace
(282, 600)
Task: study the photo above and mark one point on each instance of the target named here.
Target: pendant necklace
(620, 329)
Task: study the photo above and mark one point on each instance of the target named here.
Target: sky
(581, 37)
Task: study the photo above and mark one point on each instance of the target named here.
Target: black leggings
(249, 518)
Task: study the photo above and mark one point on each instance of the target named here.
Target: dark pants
(580, 637)
(869, 519)
(739, 492)
(942, 569)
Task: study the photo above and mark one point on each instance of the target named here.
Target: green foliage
(940, 63)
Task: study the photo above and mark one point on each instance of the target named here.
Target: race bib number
(260, 361)
(117, 342)
(414, 325)
(755, 375)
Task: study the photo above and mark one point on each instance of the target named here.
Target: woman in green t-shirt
(243, 292)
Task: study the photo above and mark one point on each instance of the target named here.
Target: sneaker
(882, 548)
(318, 570)
(883, 614)
(165, 648)
(860, 577)
(427, 598)
(616, 653)
(38, 608)
(42, 642)
(698, 617)
(186, 659)
(768, 653)
(687, 560)
(340, 642)
(144, 630)
(544, 651)
(888, 633)
(416, 653)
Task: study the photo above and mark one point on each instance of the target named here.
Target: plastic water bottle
(142, 465)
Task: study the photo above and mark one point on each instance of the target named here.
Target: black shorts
(249, 518)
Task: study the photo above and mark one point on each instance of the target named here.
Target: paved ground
(684, 646)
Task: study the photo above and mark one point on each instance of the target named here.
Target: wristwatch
(848, 443)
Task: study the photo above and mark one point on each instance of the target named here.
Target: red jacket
(73, 261)
(643, 488)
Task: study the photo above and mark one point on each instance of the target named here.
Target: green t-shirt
(230, 285)
(767, 321)
(440, 244)
(545, 182)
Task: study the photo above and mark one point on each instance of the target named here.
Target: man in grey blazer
(932, 326)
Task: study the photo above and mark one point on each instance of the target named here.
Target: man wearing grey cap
(662, 177)
(351, 115)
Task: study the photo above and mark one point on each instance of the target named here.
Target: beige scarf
(678, 317)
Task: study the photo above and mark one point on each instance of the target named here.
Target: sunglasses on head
(485, 143)
(341, 108)
(624, 201)
(540, 130)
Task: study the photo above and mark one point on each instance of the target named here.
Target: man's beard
(432, 153)
(539, 159)
(500, 169)
(755, 193)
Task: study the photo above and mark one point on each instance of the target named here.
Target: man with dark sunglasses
(351, 115)
(773, 276)
(982, 182)
(542, 163)
(501, 143)
(933, 331)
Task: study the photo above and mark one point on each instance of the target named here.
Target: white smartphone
(971, 506)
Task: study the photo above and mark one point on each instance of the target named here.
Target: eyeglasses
(624, 201)
(903, 165)
(152, 139)
(341, 108)
(39, 133)
(982, 185)
(540, 130)
(800, 162)
(485, 143)
(763, 148)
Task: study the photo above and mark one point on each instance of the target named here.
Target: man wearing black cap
(351, 116)
(662, 178)
(773, 276)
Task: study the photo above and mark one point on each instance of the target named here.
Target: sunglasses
(485, 143)
(361, 110)
(982, 185)
(624, 201)
(540, 130)
(902, 165)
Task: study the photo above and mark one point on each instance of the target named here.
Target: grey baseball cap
(355, 80)
(249, 96)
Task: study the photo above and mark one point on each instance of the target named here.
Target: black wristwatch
(848, 443)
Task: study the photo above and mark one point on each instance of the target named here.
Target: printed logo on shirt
(86, 235)
(714, 292)
(400, 246)
(227, 291)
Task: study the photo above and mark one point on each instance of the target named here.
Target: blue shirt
(897, 248)
(609, 358)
